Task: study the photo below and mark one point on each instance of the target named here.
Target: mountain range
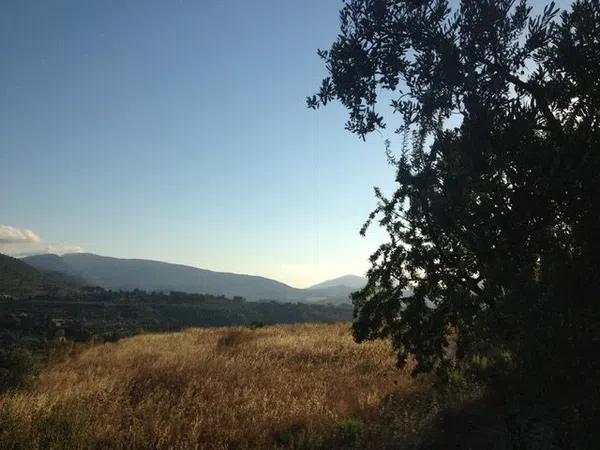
(128, 274)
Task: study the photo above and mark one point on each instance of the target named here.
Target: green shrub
(298, 437)
(349, 433)
(17, 369)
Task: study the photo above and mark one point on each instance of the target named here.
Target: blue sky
(178, 131)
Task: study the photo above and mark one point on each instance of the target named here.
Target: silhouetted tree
(494, 229)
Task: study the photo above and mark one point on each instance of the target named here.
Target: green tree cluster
(494, 228)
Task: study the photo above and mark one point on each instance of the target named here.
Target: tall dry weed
(216, 388)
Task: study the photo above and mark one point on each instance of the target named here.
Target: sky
(178, 131)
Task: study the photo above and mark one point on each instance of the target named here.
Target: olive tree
(493, 230)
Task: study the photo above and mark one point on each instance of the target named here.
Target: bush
(349, 433)
(298, 437)
(17, 369)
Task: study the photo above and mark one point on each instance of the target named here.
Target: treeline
(33, 323)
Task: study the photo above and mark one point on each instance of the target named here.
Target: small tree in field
(494, 229)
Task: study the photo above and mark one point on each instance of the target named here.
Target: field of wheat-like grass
(208, 388)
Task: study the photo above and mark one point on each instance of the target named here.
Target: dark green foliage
(18, 279)
(17, 369)
(42, 322)
(494, 227)
(349, 433)
(298, 438)
(15, 273)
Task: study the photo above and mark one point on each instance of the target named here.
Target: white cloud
(11, 235)
(19, 242)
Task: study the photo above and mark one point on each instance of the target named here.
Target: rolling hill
(17, 278)
(337, 290)
(348, 281)
(129, 274)
(214, 388)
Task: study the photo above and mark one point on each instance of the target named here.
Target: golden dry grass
(216, 388)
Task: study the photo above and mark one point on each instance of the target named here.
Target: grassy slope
(213, 388)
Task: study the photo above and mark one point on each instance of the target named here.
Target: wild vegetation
(295, 386)
(35, 322)
(284, 387)
(487, 287)
(493, 227)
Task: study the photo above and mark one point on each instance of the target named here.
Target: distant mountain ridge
(48, 262)
(129, 274)
(337, 290)
(351, 281)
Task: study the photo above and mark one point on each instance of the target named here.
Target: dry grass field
(299, 386)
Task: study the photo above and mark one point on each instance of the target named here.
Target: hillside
(214, 388)
(337, 290)
(291, 387)
(349, 281)
(17, 278)
(129, 274)
(49, 262)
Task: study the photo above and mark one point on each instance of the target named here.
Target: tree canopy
(493, 230)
